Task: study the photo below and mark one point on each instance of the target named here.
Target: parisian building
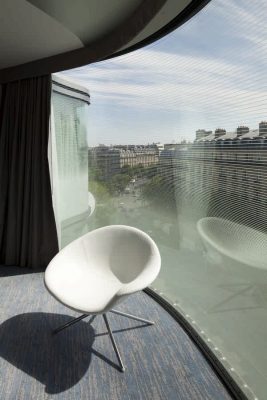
(110, 159)
(222, 174)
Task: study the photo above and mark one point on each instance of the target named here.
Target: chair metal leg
(132, 317)
(122, 368)
(72, 322)
(75, 320)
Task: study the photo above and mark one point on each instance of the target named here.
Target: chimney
(263, 128)
(219, 132)
(241, 130)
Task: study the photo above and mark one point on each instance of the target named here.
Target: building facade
(109, 160)
(222, 174)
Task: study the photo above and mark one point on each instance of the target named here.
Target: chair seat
(89, 292)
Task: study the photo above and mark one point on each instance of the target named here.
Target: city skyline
(239, 132)
(209, 73)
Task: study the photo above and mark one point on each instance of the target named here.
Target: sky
(209, 73)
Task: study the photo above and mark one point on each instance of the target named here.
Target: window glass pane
(177, 148)
(70, 165)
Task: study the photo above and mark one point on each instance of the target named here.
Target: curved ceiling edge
(101, 49)
(188, 12)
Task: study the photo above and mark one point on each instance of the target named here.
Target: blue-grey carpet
(79, 363)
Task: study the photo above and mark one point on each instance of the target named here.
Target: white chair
(241, 252)
(97, 271)
(234, 242)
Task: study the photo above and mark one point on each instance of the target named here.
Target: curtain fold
(28, 235)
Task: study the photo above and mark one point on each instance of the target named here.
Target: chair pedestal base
(72, 322)
(146, 321)
(115, 347)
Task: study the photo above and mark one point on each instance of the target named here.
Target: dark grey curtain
(28, 235)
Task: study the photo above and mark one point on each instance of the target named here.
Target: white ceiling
(88, 19)
(27, 34)
(34, 29)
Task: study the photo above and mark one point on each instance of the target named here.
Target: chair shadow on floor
(57, 361)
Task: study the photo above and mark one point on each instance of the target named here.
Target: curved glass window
(177, 147)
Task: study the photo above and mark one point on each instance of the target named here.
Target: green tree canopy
(118, 183)
(99, 190)
(160, 192)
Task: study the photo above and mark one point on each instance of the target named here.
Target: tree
(100, 191)
(150, 171)
(160, 192)
(127, 170)
(104, 210)
(138, 170)
(118, 183)
(96, 174)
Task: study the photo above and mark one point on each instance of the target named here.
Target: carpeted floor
(79, 363)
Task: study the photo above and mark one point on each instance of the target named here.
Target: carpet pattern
(79, 363)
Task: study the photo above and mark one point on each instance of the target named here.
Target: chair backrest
(123, 250)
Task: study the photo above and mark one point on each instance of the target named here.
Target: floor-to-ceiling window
(177, 147)
(68, 154)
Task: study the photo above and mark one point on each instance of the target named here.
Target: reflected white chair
(234, 241)
(97, 271)
(238, 249)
